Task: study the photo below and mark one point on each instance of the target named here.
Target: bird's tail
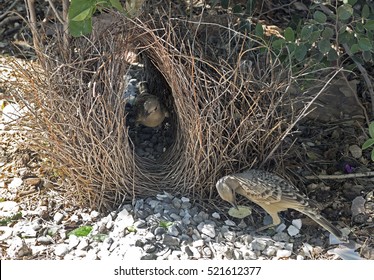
(326, 224)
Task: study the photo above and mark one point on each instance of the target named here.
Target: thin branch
(57, 14)
(340, 176)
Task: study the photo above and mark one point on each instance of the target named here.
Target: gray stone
(249, 255)
(198, 243)
(169, 240)
(175, 217)
(270, 251)
(9, 206)
(258, 245)
(281, 236)
(207, 252)
(58, 217)
(5, 232)
(238, 255)
(159, 231)
(61, 250)
(73, 242)
(177, 203)
(83, 244)
(173, 230)
(230, 223)
(292, 230)
(45, 240)
(140, 224)
(216, 216)
(283, 253)
(15, 184)
(355, 151)
(207, 228)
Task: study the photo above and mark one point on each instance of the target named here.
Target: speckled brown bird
(273, 194)
(149, 111)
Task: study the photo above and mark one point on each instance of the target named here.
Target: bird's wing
(269, 188)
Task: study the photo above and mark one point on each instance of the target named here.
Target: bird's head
(226, 188)
(151, 105)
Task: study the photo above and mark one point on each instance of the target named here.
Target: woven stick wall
(225, 101)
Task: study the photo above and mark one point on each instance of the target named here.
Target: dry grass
(230, 108)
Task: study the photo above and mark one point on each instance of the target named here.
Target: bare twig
(341, 176)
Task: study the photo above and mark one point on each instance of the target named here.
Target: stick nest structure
(229, 107)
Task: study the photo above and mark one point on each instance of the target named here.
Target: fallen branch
(341, 176)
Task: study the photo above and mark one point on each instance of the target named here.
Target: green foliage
(81, 12)
(131, 229)
(81, 231)
(8, 220)
(165, 224)
(328, 33)
(370, 142)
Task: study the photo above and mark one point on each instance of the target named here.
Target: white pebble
(283, 253)
(292, 230)
(230, 223)
(15, 184)
(216, 216)
(281, 227)
(58, 217)
(297, 223)
(61, 250)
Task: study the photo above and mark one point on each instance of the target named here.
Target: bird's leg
(265, 227)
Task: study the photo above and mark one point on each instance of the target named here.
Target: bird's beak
(235, 205)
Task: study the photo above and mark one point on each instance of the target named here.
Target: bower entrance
(149, 142)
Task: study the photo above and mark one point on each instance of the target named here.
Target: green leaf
(365, 44)
(300, 52)
(81, 231)
(327, 33)
(291, 47)
(324, 46)
(355, 48)
(306, 31)
(278, 44)
(368, 143)
(289, 34)
(367, 56)
(79, 28)
(319, 17)
(259, 30)
(131, 229)
(371, 130)
(116, 4)
(369, 25)
(365, 11)
(83, 15)
(372, 155)
(345, 11)
(225, 4)
(359, 28)
(78, 7)
(342, 29)
(350, 2)
(315, 36)
(332, 55)
(165, 224)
